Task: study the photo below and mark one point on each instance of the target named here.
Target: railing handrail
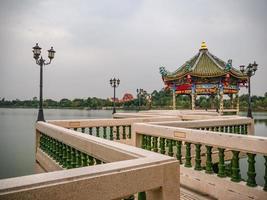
(207, 122)
(243, 143)
(84, 123)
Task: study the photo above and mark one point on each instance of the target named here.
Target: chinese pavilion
(205, 74)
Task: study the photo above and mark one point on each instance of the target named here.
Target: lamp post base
(40, 116)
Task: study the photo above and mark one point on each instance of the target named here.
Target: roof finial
(203, 46)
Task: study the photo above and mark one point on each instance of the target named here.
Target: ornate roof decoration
(203, 64)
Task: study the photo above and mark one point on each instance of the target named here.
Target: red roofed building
(127, 97)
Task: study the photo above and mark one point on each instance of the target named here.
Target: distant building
(112, 99)
(127, 97)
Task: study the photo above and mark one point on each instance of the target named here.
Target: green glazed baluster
(91, 160)
(230, 129)
(41, 144)
(148, 142)
(170, 148)
(60, 153)
(90, 130)
(83, 130)
(162, 146)
(155, 144)
(242, 129)
(238, 129)
(246, 129)
(265, 176)
(209, 169)
(50, 153)
(73, 158)
(105, 132)
(98, 161)
(179, 151)
(142, 196)
(130, 132)
(54, 149)
(57, 151)
(117, 133)
(188, 155)
(251, 181)
(79, 162)
(50, 146)
(69, 158)
(221, 165)
(85, 160)
(97, 132)
(111, 132)
(198, 157)
(124, 132)
(217, 129)
(236, 177)
(143, 146)
(221, 129)
(64, 155)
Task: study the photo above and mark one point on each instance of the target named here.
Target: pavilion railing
(121, 172)
(227, 182)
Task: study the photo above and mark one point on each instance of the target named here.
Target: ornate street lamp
(41, 62)
(140, 92)
(249, 71)
(114, 83)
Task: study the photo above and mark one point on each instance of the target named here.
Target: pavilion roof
(203, 64)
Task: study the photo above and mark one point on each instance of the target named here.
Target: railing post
(97, 132)
(105, 132)
(170, 148)
(251, 181)
(198, 157)
(111, 132)
(130, 132)
(123, 132)
(188, 155)
(155, 144)
(209, 169)
(236, 177)
(221, 165)
(179, 151)
(162, 145)
(117, 133)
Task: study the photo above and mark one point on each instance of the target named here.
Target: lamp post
(139, 91)
(41, 62)
(114, 83)
(249, 71)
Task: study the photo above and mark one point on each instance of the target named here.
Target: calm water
(17, 138)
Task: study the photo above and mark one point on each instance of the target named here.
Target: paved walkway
(186, 194)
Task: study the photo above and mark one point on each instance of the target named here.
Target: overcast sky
(126, 39)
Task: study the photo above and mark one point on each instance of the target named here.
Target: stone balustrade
(84, 163)
(238, 125)
(224, 182)
(122, 171)
(112, 129)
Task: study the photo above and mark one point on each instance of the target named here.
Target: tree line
(161, 99)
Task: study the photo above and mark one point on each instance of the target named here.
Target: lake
(17, 137)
